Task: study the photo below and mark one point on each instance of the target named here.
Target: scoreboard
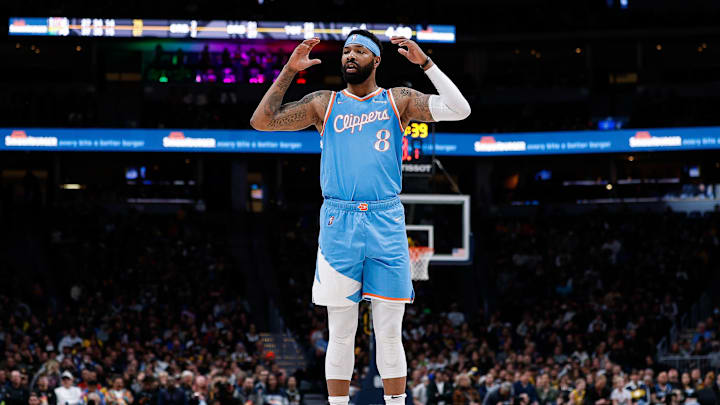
(418, 149)
(219, 29)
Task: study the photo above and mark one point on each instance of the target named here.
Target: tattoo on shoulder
(294, 112)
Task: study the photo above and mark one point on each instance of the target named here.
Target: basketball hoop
(420, 261)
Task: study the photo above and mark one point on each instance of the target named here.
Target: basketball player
(363, 247)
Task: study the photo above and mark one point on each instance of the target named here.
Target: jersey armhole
(328, 111)
(394, 107)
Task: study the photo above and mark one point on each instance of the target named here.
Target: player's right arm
(272, 115)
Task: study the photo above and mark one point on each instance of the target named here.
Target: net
(420, 261)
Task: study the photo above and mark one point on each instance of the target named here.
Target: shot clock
(418, 149)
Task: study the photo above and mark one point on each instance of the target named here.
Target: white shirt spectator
(69, 341)
(622, 396)
(68, 396)
(419, 392)
(456, 318)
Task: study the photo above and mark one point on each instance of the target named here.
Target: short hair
(368, 34)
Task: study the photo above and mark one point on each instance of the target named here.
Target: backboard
(442, 222)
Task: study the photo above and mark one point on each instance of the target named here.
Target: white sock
(339, 400)
(395, 399)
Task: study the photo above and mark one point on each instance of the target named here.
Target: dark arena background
(156, 250)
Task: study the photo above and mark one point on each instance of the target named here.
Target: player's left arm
(448, 105)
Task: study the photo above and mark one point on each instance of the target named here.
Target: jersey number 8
(383, 143)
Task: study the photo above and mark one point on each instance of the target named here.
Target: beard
(360, 75)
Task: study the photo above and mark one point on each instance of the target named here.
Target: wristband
(426, 62)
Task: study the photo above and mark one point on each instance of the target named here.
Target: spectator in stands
(148, 394)
(294, 396)
(706, 393)
(16, 392)
(701, 333)
(487, 383)
(673, 378)
(662, 389)
(500, 395)
(696, 379)
(186, 387)
(456, 317)
(262, 382)
(93, 391)
(420, 390)
(163, 387)
(246, 394)
(523, 386)
(546, 393)
(33, 399)
(274, 394)
(440, 391)
(599, 393)
(578, 394)
(45, 394)
(67, 393)
(464, 393)
(69, 340)
(619, 395)
(118, 394)
(686, 385)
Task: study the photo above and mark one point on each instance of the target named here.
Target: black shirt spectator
(16, 393)
(45, 394)
(501, 394)
(599, 393)
(440, 391)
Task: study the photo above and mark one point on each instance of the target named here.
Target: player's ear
(377, 61)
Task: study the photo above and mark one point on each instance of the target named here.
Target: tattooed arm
(412, 105)
(272, 115)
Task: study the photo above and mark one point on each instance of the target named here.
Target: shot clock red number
(412, 141)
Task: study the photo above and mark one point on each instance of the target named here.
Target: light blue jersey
(363, 246)
(361, 147)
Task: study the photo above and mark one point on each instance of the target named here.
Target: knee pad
(340, 355)
(387, 323)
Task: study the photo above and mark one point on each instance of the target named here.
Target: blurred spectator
(706, 392)
(546, 393)
(525, 387)
(68, 393)
(464, 393)
(662, 390)
(500, 395)
(440, 390)
(701, 334)
(69, 340)
(148, 394)
(15, 392)
(185, 391)
(200, 392)
(246, 394)
(620, 395)
(420, 389)
(118, 394)
(687, 386)
(578, 394)
(274, 394)
(293, 394)
(33, 399)
(45, 394)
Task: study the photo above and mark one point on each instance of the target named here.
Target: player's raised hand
(413, 51)
(300, 58)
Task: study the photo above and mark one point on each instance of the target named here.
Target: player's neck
(362, 89)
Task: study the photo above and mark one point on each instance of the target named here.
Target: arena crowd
(147, 315)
